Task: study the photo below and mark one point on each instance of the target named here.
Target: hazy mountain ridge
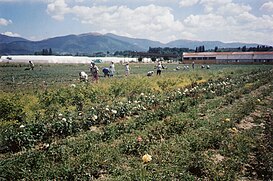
(9, 39)
(89, 43)
(142, 43)
(208, 44)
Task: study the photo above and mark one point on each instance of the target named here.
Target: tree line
(166, 51)
(44, 52)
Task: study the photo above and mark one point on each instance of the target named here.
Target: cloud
(233, 9)
(187, 3)
(267, 6)
(240, 25)
(210, 5)
(24, 1)
(206, 22)
(215, 2)
(144, 21)
(245, 17)
(8, 33)
(4, 22)
(57, 9)
(225, 20)
(9, 0)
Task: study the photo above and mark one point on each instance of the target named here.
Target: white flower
(22, 126)
(227, 120)
(72, 85)
(63, 119)
(114, 111)
(94, 117)
(142, 94)
(107, 109)
(147, 158)
(45, 145)
(60, 115)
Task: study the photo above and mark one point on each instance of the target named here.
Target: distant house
(228, 57)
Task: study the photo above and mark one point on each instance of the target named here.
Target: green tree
(50, 51)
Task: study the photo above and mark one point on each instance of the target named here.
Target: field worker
(177, 68)
(95, 72)
(150, 73)
(31, 65)
(83, 76)
(192, 65)
(159, 68)
(127, 69)
(106, 72)
(112, 69)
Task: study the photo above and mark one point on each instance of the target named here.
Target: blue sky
(249, 21)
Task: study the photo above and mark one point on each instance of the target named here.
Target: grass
(190, 122)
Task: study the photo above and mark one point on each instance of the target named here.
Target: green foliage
(11, 109)
(101, 131)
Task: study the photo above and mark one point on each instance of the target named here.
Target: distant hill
(8, 39)
(208, 44)
(89, 43)
(142, 43)
(84, 43)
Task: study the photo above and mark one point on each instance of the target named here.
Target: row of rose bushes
(16, 137)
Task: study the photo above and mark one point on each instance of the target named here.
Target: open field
(200, 124)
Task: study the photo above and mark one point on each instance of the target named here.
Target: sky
(247, 21)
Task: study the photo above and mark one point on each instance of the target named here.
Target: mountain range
(89, 43)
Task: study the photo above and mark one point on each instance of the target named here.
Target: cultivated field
(202, 124)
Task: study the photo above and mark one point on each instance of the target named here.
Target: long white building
(229, 57)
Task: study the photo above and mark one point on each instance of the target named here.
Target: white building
(228, 57)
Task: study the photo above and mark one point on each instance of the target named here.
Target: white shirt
(83, 76)
(127, 68)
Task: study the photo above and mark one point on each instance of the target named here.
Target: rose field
(196, 124)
